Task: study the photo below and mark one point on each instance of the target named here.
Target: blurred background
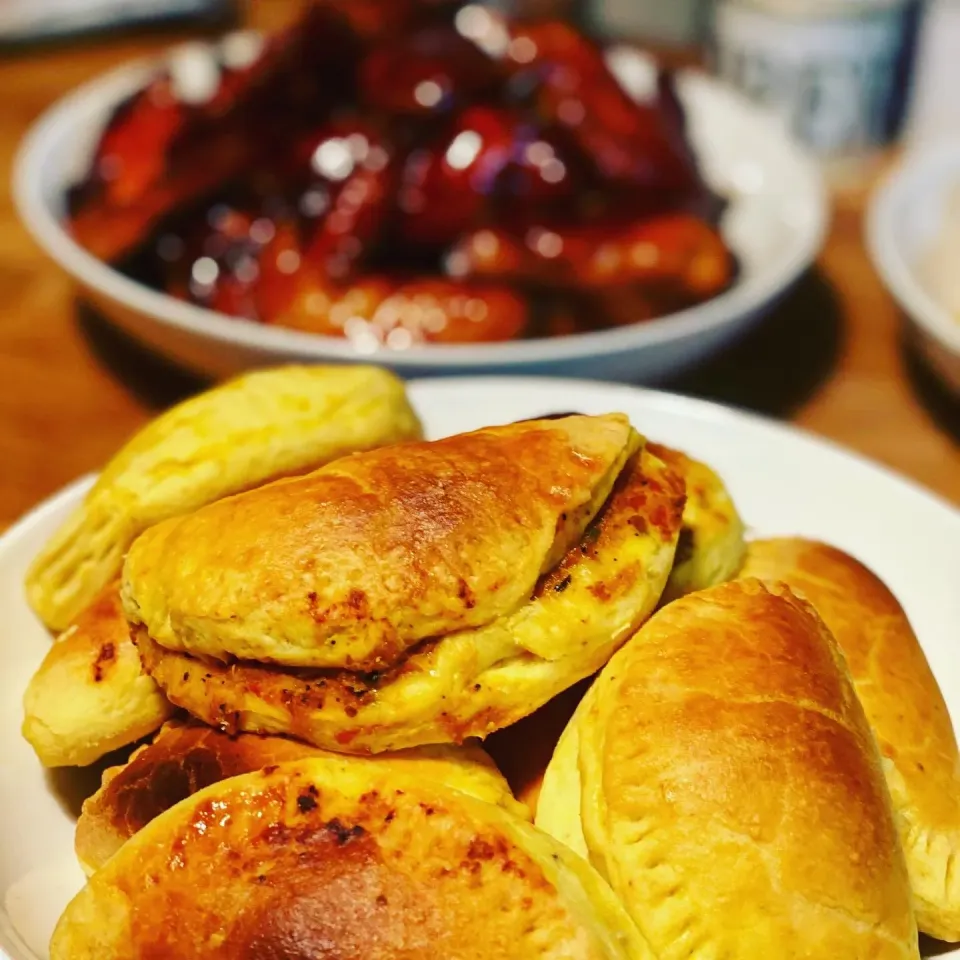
(863, 346)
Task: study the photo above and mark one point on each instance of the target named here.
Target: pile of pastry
(311, 622)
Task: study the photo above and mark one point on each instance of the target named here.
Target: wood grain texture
(71, 391)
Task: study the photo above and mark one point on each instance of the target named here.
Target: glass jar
(837, 71)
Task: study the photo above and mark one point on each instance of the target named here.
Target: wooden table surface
(71, 390)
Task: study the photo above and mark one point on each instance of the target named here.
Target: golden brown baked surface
(90, 696)
(903, 704)
(235, 436)
(711, 545)
(184, 758)
(471, 682)
(358, 561)
(343, 858)
(731, 790)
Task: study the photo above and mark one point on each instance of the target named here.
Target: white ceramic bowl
(904, 219)
(775, 223)
(784, 482)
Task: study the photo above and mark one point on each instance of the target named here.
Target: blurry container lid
(819, 9)
(676, 22)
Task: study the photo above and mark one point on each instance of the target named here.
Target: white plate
(775, 223)
(784, 481)
(903, 222)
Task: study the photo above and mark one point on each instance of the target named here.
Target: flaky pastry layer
(90, 695)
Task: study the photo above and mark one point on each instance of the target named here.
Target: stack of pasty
(760, 765)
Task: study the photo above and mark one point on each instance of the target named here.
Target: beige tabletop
(71, 390)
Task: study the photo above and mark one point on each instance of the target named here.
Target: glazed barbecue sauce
(342, 171)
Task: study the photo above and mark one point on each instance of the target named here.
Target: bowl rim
(911, 177)
(102, 92)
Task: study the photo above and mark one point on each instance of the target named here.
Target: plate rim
(673, 403)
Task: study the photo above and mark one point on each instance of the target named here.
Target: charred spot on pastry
(639, 524)
(465, 594)
(342, 833)
(591, 535)
(307, 800)
(105, 655)
(369, 679)
(563, 584)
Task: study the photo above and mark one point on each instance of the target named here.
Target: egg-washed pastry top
(722, 776)
(186, 757)
(903, 704)
(343, 857)
(356, 562)
(423, 593)
(235, 436)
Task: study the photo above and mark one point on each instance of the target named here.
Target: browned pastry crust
(89, 695)
(355, 563)
(184, 758)
(472, 682)
(903, 704)
(335, 857)
(730, 788)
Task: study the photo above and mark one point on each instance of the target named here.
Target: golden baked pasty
(233, 437)
(424, 593)
(184, 758)
(347, 858)
(728, 786)
(903, 704)
(90, 695)
(711, 547)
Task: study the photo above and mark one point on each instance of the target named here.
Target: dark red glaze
(629, 142)
(446, 187)
(429, 71)
(385, 160)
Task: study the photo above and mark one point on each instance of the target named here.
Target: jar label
(838, 82)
